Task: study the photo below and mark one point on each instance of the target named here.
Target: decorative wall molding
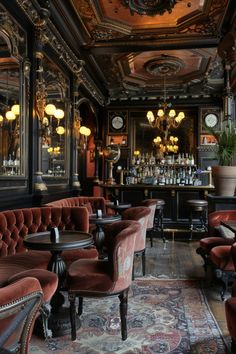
(50, 35)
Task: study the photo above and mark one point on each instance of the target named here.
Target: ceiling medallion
(149, 7)
(164, 66)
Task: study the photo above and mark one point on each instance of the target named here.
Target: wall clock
(211, 120)
(117, 122)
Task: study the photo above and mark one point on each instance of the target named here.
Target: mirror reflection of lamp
(85, 132)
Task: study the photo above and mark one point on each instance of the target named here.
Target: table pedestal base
(58, 323)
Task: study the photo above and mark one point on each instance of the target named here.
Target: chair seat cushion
(73, 255)
(48, 280)
(220, 256)
(87, 275)
(207, 243)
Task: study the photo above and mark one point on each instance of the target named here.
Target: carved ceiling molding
(102, 30)
(10, 30)
(164, 66)
(149, 7)
(65, 54)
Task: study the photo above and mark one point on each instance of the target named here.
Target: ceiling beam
(112, 47)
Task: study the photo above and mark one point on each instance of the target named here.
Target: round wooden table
(59, 320)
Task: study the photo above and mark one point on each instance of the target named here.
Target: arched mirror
(54, 124)
(13, 84)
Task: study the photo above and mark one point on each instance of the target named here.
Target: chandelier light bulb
(16, 109)
(181, 115)
(150, 116)
(50, 109)
(1, 118)
(160, 113)
(59, 114)
(172, 113)
(10, 115)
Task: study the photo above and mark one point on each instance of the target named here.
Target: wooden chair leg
(133, 270)
(80, 307)
(123, 313)
(72, 298)
(144, 262)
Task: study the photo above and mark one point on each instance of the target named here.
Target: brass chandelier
(166, 117)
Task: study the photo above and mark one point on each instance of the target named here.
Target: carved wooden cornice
(50, 35)
(11, 31)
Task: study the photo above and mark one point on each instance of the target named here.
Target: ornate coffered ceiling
(130, 45)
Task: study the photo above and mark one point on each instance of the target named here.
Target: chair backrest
(90, 202)
(140, 214)
(151, 204)
(120, 239)
(19, 306)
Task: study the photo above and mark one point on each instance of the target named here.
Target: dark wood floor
(178, 260)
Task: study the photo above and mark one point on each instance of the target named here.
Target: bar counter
(176, 213)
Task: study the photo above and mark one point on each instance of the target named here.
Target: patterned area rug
(164, 316)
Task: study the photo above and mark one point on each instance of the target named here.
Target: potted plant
(224, 175)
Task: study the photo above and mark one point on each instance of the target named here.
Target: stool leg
(191, 225)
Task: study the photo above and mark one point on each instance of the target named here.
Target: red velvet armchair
(19, 306)
(151, 204)
(215, 237)
(107, 277)
(140, 214)
(230, 306)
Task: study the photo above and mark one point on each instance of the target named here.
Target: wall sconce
(84, 132)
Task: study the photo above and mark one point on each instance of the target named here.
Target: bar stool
(199, 206)
(158, 224)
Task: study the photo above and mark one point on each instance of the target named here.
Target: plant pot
(224, 179)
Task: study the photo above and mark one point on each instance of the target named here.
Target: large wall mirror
(54, 125)
(144, 134)
(13, 85)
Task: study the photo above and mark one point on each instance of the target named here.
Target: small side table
(100, 222)
(119, 208)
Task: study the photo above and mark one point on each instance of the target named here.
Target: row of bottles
(11, 165)
(150, 160)
(11, 161)
(164, 175)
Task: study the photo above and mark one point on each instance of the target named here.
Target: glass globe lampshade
(59, 114)
(1, 118)
(16, 109)
(60, 130)
(10, 115)
(50, 109)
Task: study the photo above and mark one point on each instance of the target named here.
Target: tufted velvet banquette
(16, 224)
